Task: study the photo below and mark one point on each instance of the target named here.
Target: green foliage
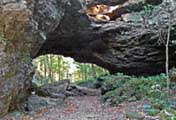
(148, 9)
(153, 112)
(51, 68)
(168, 114)
(138, 87)
(119, 88)
(86, 83)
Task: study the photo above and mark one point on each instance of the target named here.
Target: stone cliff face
(24, 25)
(15, 67)
(29, 28)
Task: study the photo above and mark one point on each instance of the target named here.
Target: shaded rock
(60, 96)
(63, 89)
(119, 46)
(35, 103)
(99, 82)
(55, 89)
(78, 90)
(154, 2)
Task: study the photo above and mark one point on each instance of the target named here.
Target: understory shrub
(118, 88)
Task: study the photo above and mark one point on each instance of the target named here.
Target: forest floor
(84, 108)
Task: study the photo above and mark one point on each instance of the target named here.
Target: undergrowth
(118, 88)
(86, 83)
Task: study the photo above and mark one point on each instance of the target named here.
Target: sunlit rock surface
(29, 28)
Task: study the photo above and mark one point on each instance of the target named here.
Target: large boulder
(56, 89)
(24, 25)
(35, 103)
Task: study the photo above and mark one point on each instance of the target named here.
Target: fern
(2, 39)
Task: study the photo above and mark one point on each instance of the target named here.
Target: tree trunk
(59, 67)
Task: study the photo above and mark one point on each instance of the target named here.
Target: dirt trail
(79, 108)
(83, 108)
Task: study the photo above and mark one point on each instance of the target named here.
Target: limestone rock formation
(29, 28)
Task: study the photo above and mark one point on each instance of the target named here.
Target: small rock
(132, 99)
(134, 115)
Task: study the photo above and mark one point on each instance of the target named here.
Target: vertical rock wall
(15, 63)
(24, 25)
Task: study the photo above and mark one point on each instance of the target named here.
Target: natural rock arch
(30, 28)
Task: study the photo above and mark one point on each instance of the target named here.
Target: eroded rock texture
(29, 28)
(132, 46)
(24, 25)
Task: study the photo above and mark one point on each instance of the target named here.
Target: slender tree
(171, 7)
(94, 71)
